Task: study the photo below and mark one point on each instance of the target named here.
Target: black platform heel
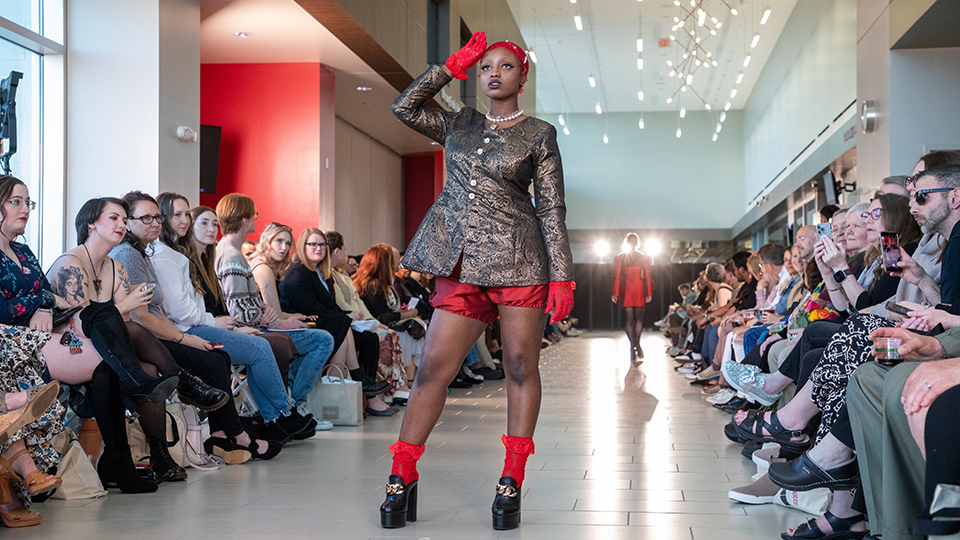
(506, 505)
(400, 505)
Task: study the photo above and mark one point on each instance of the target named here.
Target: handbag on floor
(176, 429)
(816, 501)
(943, 519)
(336, 399)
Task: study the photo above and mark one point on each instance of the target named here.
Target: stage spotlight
(653, 247)
(602, 248)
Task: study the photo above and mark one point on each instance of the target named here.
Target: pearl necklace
(498, 119)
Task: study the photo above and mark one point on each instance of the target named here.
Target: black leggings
(941, 439)
(108, 409)
(800, 362)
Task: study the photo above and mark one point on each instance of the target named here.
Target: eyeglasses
(315, 245)
(17, 202)
(921, 196)
(871, 214)
(277, 224)
(147, 219)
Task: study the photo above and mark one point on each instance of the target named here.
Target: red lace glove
(560, 300)
(464, 59)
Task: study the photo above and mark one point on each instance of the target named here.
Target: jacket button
(479, 150)
(473, 182)
(471, 196)
(486, 139)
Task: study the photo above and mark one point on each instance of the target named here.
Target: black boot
(369, 385)
(400, 505)
(115, 468)
(194, 391)
(506, 505)
(164, 466)
(107, 331)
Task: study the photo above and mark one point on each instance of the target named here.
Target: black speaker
(209, 157)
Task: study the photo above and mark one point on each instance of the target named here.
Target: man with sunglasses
(936, 207)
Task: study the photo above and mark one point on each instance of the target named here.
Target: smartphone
(824, 230)
(891, 251)
(218, 345)
(898, 309)
(311, 324)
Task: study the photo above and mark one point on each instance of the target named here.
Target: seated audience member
(352, 264)
(408, 286)
(237, 215)
(248, 249)
(393, 357)
(894, 185)
(827, 212)
(267, 385)
(308, 288)
(182, 303)
(855, 242)
(373, 281)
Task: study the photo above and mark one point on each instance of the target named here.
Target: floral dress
(21, 357)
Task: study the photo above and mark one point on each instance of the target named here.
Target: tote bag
(80, 480)
(337, 399)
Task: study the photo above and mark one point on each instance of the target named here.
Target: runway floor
(622, 453)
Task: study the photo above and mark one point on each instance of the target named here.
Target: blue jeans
(263, 375)
(711, 339)
(315, 347)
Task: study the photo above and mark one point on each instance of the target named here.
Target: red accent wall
(422, 183)
(278, 131)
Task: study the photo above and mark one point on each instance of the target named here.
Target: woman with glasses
(308, 288)
(856, 243)
(237, 215)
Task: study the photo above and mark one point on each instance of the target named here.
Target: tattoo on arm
(123, 279)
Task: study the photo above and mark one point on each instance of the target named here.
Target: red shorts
(481, 302)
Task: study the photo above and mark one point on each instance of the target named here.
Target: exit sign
(665, 42)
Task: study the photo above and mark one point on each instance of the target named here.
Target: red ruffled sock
(405, 456)
(515, 463)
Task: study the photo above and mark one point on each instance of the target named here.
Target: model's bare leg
(449, 339)
(520, 331)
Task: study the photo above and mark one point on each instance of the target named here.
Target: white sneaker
(573, 332)
(672, 351)
(687, 369)
(722, 396)
(708, 373)
(683, 357)
(323, 425)
(696, 356)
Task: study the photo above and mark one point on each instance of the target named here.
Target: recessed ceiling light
(364, 88)
(243, 34)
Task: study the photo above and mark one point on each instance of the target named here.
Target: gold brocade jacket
(484, 214)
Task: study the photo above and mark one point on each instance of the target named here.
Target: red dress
(632, 282)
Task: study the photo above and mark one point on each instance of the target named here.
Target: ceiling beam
(341, 24)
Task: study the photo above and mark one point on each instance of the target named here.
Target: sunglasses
(921, 196)
(871, 214)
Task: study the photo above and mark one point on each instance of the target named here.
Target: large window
(31, 43)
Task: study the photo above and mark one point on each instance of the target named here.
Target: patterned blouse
(24, 291)
(240, 291)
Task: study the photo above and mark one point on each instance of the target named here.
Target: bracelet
(46, 310)
(182, 335)
(832, 290)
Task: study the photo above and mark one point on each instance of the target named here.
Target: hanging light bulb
(765, 17)
(713, 20)
(740, 77)
(533, 56)
(641, 123)
(714, 62)
(679, 133)
(672, 72)
(683, 112)
(723, 116)
(714, 137)
(669, 100)
(690, 78)
(639, 44)
(680, 24)
(746, 61)
(573, 1)
(719, 127)
(683, 88)
(701, 17)
(599, 110)
(756, 39)
(561, 120)
(592, 81)
(640, 95)
(640, 63)
(669, 63)
(707, 105)
(605, 139)
(733, 93)
(734, 11)
(566, 131)
(727, 106)
(577, 21)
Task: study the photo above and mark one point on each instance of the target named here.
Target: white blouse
(182, 303)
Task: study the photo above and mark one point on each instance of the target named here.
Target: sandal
(751, 429)
(19, 517)
(810, 530)
(35, 482)
(40, 399)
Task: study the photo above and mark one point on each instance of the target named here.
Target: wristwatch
(841, 275)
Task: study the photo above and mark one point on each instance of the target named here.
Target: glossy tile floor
(622, 453)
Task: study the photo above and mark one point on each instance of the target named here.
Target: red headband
(514, 49)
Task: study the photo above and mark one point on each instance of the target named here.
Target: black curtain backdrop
(592, 303)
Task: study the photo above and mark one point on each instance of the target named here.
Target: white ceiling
(607, 49)
(284, 32)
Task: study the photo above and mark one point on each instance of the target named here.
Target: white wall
(118, 131)
(650, 179)
(368, 191)
(873, 83)
(820, 83)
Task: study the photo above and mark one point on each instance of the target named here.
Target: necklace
(498, 119)
(96, 274)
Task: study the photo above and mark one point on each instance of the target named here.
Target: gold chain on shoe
(506, 491)
(395, 489)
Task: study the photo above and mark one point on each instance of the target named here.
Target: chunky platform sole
(506, 522)
(399, 517)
